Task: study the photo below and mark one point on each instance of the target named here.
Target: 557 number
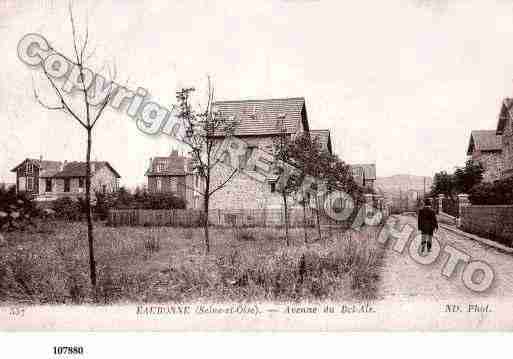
(68, 350)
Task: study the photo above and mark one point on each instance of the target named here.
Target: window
(104, 188)
(273, 187)
(30, 168)
(66, 185)
(80, 183)
(48, 185)
(30, 184)
(161, 167)
(159, 184)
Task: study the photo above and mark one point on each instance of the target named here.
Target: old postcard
(283, 165)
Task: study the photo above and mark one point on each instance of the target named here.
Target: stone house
(259, 124)
(485, 147)
(49, 180)
(364, 174)
(174, 174)
(505, 129)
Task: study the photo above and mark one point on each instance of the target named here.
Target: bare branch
(74, 31)
(224, 183)
(103, 105)
(84, 46)
(68, 109)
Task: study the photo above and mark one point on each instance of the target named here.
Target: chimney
(41, 158)
(150, 167)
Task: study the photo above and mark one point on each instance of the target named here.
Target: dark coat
(427, 220)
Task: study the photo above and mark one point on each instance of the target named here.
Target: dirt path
(404, 279)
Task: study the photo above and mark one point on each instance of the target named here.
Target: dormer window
(161, 167)
(30, 168)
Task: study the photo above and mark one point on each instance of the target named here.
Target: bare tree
(288, 182)
(203, 130)
(87, 118)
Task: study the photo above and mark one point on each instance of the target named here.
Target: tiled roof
(70, 169)
(42, 165)
(504, 114)
(484, 140)
(264, 117)
(324, 138)
(49, 168)
(174, 165)
(78, 169)
(368, 170)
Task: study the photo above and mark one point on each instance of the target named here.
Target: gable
(504, 115)
(174, 165)
(43, 166)
(485, 141)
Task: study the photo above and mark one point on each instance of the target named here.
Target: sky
(399, 83)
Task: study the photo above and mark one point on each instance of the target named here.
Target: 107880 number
(68, 350)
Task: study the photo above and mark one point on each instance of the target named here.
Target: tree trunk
(205, 223)
(317, 216)
(304, 218)
(286, 219)
(90, 238)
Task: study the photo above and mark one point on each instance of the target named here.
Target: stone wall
(104, 177)
(493, 163)
(493, 222)
(242, 191)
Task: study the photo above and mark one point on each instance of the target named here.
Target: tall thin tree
(87, 118)
(204, 129)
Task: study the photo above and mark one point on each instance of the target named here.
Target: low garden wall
(493, 222)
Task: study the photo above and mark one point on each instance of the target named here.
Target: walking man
(427, 224)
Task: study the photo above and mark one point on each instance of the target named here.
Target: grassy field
(163, 264)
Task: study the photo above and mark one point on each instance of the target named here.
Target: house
(485, 147)
(505, 129)
(174, 174)
(364, 174)
(259, 125)
(49, 180)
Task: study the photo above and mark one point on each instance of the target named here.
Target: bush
(140, 200)
(68, 209)
(498, 193)
(160, 201)
(16, 209)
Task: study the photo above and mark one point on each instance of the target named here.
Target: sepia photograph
(287, 165)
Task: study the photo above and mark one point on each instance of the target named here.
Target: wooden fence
(217, 217)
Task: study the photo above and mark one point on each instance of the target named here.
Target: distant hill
(392, 186)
